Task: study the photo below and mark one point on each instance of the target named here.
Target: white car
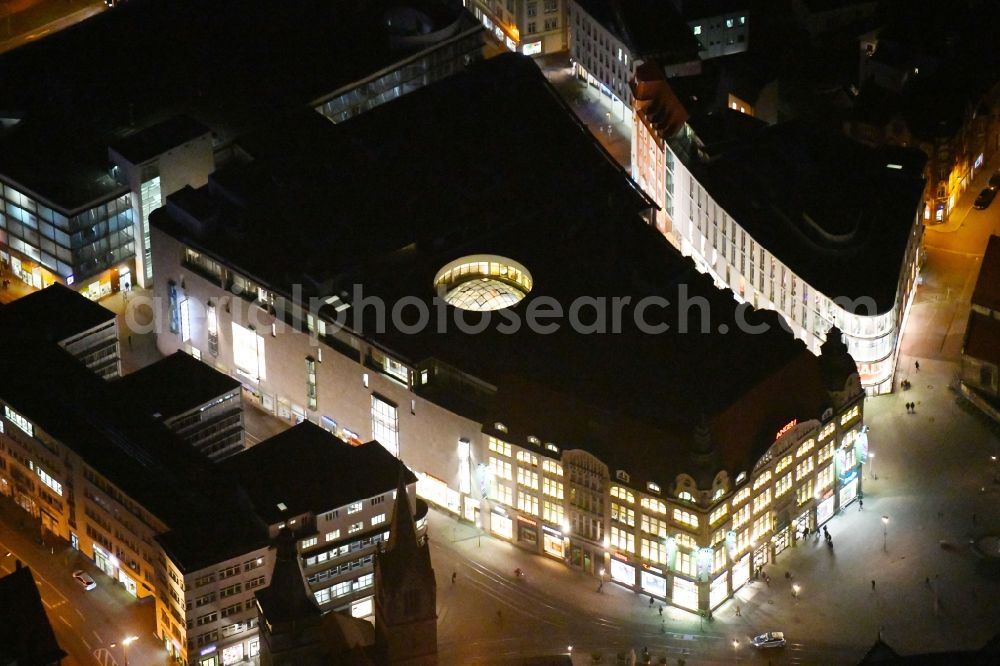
(84, 580)
(769, 640)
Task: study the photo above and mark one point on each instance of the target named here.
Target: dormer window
(685, 496)
(622, 475)
(500, 427)
(653, 488)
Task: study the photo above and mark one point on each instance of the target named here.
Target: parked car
(84, 580)
(984, 199)
(994, 183)
(769, 640)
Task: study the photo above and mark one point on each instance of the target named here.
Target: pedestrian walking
(861, 504)
(130, 342)
(661, 611)
(917, 365)
(651, 601)
(927, 581)
(738, 613)
(454, 575)
(873, 584)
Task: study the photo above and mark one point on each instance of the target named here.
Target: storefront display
(527, 531)
(685, 593)
(741, 572)
(552, 542)
(824, 510)
(622, 573)
(502, 526)
(653, 582)
(719, 591)
(850, 488)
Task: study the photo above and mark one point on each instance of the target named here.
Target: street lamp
(736, 644)
(125, 643)
(885, 532)
(993, 459)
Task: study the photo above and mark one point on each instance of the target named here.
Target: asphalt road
(85, 623)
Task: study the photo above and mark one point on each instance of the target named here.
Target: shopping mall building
(400, 278)
(795, 219)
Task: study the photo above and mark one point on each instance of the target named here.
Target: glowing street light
(128, 640)
(736, 644)
(885, 532)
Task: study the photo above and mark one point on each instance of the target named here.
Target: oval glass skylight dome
(483, 282)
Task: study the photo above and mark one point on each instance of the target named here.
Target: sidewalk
(964, 204)
(590, 106)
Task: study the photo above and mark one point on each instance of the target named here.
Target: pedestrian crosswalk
(104, 657)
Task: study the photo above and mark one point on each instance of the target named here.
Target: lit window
(805, 448)
(655, 505)
(499, 446)
(761, 480)
(355, 507)
(804, 468)
(355, 527)
(378, 520)
(783, 463)
(652, 487)
(553, 513)
(783, 484)
(685, 518)
(685, 496)
(622, 494)
(503, 494)
(552, 467)
(527, 502)
(653, 551)
(311, 541)
(526, 477)
(623, 514)
(499, 426)
(527, 458)
(385, 424)
(850, 414)
(552, 488)
(761, 501)
(622, 539)
(718, 514)
(697, 30)
(651, 525)
(501, 469)
(333, 535)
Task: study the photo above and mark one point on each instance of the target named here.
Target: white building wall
(720, 247)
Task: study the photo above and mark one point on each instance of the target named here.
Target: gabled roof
(26, 636)
(987, 291)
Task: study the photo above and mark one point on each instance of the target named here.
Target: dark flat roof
(987, 291)
(26, 636)
(56, 313)
(147, 143)
(387, 198)
(172, 386)
(227, 63)
(148, 462)
(309, 470)
(829, 208)
(982, 339)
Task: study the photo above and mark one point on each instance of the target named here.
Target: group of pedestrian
(911, 408)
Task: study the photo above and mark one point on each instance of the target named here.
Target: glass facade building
(36, 238)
